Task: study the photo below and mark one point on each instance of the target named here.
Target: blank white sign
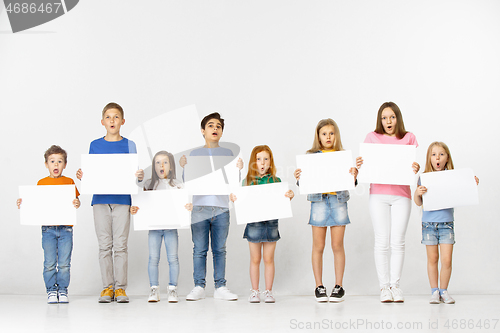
(261, 203)
(200, 179)
(162, 209)
(325, 172)
(387, 164)
(449, 189)
(109, 173)
(48, 205)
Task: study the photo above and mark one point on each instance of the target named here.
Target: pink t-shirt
(400, 190)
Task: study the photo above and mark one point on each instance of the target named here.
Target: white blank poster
(387, 164)
(261, 203)
(449, 188)
(47, 205)
(163, 209)
(109, 173)
(326, 172)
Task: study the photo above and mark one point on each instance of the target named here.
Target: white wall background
(273, 69)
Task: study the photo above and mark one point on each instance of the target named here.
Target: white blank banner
(109, 173)
(387, 164)
(48, 205)
(449, 188)
(325, 172)
(200, 179)
(163, 209)
(261, 203)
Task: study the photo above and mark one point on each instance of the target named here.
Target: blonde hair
(400, 125)
(253, 171)
(428, 164)
(337, 145)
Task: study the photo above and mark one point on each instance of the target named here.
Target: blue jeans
(57, 244)
(213, 222)
(172, 246)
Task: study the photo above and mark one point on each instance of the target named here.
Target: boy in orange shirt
(57, 241)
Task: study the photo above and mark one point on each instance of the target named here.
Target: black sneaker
(320, 293)
(337, 294)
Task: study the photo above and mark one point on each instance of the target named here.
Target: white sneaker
(196, 294)
(52, 297)
(225, 294)
(154, 294)
(254, 296)
(397, 295)
(386, 295)
(172, 294)
(435, 298)
(269, 296)
(63, 297)
(447, 299)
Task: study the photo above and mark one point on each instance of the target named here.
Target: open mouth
(56, 171)
(438, 165)
(162, 172)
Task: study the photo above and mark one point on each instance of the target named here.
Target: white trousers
(390, 215)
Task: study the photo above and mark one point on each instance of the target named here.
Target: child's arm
(477, 180)
(289, 194)
(183, 161)
(239, 164)
(76, 203)
(133, 210)
(296, 174)
(19, 202)
(79, 174)
(359, 162)
(418, 194)
(139, 174)
(415, 167)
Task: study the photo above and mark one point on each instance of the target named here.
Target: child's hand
(232, 197)
(139, 174)
(239, 164)
(359, 162)
(79, 174)
(183, 161)
(76, 203)
(133, 210)
(477, 180)
(297, 173)
(289, 194)
(415, 167)
(189, 206)
(420, 190)
(353, 171)
(19, 202)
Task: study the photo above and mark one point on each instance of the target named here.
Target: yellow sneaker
(121, 296)
(107, 295)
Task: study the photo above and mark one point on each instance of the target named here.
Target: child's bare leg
(255, 256)
(268, 252)
(319, 235)
(337, 234)
(432, 264)
(446, 254)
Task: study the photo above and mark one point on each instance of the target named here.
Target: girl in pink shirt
(390, 206)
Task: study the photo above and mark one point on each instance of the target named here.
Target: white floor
(474, 313)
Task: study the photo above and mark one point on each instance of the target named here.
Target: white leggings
(390, 214)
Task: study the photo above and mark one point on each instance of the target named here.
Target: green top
(267, 179)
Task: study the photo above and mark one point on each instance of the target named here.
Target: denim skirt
(328, 212)
(258, 232)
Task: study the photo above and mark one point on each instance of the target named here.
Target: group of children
(389, 209)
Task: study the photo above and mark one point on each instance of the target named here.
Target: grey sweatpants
(112, 225)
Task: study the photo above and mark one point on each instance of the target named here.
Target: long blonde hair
(253, 171)
(337, 145)
(428, 164)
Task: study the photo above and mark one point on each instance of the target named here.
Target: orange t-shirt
(58, 181)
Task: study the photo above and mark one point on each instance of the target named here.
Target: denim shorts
(434, 233)
(328, 212)
(258, 232)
